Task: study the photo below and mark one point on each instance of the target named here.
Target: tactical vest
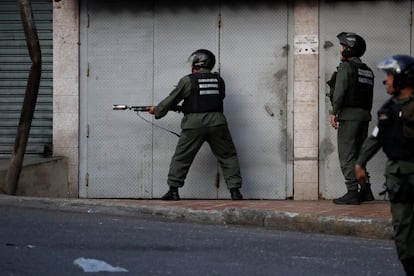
(361, 87)
(396, 129)
(207, 93)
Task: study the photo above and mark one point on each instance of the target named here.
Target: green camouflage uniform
(399, 174)
(353, 123)
(197, 128)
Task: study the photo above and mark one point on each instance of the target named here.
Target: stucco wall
(305, 102)
(66, 87)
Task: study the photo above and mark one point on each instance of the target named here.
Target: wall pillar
(305, 100)
(66, 87)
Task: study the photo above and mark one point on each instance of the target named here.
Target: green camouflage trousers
(402, 218)
(351, 136)
(222, 146)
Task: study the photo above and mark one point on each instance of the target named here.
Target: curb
(278, 220)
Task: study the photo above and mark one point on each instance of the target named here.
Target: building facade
(275, 56)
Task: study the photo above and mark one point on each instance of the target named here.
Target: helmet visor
(347, 39)
(390, 65)
(198, 60)
(191, 58)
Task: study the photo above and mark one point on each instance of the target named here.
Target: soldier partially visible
(394, 133)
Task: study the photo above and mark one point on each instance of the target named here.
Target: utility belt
(401, 192)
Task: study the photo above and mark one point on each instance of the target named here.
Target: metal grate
(14, 71)
(137, 51)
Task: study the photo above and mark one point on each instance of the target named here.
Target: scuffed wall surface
(66, 87)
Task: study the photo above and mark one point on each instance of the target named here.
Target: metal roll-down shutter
(15, 66)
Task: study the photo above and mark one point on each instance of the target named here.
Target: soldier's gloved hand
(151, 110)
(360, 175)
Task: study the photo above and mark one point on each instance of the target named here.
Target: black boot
(408, 265)
(172, 194)
(365, 193)
(235, 194)
(351, 197)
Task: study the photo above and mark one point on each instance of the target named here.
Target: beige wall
(66, 87)
(305, 101)
(305, 94)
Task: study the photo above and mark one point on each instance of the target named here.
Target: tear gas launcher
(141, 108)
(146, 108)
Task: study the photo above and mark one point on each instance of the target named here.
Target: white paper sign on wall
(306, 44)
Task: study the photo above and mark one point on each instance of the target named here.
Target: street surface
(48, 242)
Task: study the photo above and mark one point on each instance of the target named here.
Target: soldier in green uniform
(351, 97)
(203, 93)
(395, 134)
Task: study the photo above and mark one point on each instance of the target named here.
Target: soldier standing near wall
(351, 96)
(203, 93)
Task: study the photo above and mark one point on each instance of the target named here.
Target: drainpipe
(29, 103)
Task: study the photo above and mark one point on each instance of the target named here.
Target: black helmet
(401, 67)
(355, 45)
(202, 58)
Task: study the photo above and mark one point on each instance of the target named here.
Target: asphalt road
(48, 242)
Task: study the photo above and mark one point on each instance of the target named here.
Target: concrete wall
(66, 87)
(305, 100)
(43, 177)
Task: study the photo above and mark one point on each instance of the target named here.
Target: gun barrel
(140, 108)
(131, 107)
(146, 108)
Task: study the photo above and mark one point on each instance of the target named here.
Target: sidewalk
(371, 219)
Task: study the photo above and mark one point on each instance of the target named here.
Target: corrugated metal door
(179, 30)
(249, 40)
(135, 54)
(116, 68)
(386, 27)
(14, 71)
(253, 51)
